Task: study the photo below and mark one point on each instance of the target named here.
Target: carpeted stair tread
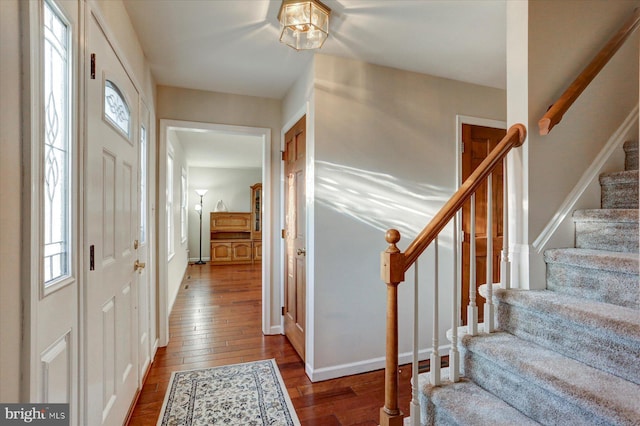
(606, 215)
(607, 229)
(594, 259)
(625, 176)
(601, 335)
(586, 392)
(465, 403)
(614, 319)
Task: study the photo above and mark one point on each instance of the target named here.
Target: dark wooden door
(478, 142)
(295, 236)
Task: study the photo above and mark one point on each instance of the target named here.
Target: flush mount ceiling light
(304, 24)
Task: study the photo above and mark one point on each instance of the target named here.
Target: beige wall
(221, 108)
(557, 160)
(10, 136)
(561, 38)
(385, 156)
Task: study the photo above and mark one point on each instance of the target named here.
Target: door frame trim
(162, 261)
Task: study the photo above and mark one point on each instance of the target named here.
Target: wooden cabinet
(231, 241)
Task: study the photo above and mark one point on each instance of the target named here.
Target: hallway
(216, 321)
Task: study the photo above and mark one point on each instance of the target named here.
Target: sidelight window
(57, 146)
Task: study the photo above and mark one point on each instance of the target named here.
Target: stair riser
(431, 415)
(609, 236)
(622, 195)
(631, 159)
(621, 289)
(525, 396)
(614, 354)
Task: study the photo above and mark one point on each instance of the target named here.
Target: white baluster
(472, 309)
(505, 266)
(454, 358)
(488, 306)
(415, 403)
(434, 362)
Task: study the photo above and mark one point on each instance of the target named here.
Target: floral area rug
(241, 394)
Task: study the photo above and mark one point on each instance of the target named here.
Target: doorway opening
(220, 159)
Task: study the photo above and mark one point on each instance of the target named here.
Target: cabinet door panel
(241, 251)
(221, 252)
(257, 250)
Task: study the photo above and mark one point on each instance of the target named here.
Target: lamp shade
(198, 207)
(201, 192)
(304, 24)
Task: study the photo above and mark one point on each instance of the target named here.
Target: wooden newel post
(392, 272)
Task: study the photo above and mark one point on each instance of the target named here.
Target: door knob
(138, 265)
(301, 251)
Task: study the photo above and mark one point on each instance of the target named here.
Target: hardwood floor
(216, 320)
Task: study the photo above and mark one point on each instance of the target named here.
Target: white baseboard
(274, 329)
(326, 373)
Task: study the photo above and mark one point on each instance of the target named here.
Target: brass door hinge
(284, 234)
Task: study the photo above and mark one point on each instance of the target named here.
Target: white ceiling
(219, 149)
(233, 46)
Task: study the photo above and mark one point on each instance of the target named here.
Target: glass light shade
(304, 24)
(201, 192)
(198, 207)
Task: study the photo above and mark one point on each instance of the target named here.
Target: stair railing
(394, 265)
(556, 111)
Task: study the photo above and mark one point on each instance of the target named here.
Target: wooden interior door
(295, 236)
(478, 142)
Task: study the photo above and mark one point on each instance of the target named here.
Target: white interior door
(112, 226)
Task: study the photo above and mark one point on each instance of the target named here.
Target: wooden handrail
(514, 138)
(558, 109)
(394, 263)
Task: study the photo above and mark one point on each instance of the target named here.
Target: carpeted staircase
(567, 355)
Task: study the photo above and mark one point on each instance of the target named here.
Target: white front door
(112, 214)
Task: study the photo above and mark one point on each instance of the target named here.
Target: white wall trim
(276, 329)
(265, 133)
(195, 259)
(341, 370)
(592, 173)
